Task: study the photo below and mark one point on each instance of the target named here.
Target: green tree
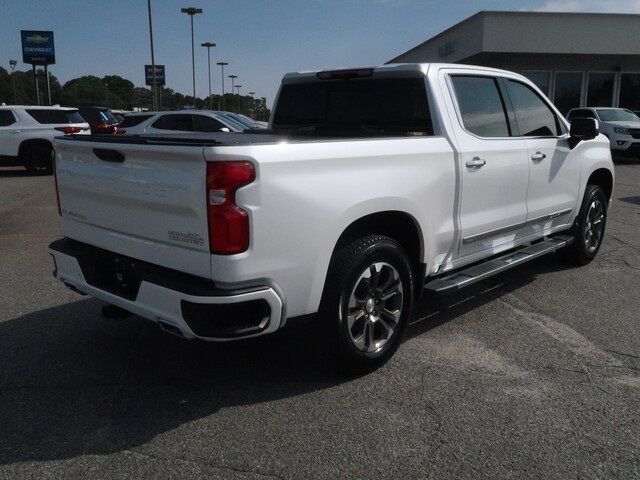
(84, 91)
(119, 92)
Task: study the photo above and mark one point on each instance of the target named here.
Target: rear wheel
(38, 159)
(588, 231)
(368, 301)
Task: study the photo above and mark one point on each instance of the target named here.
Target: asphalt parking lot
(535, 373)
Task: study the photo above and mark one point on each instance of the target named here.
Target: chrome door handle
(536, 157)
(475, 162)
(14, 131)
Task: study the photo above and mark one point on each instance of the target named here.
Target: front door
(554, 170)
(494, 167)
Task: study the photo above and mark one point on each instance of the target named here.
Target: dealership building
(577, 59)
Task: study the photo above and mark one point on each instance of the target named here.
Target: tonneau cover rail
(142, 140)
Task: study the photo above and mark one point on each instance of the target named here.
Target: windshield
(354, 107)
(617, 115)
(243, 120)
(232, 122)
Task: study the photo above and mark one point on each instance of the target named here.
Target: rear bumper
(183, 304)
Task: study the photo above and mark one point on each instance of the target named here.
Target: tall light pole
(191, 11)
(238, 87)
(208, 46)
(233, 83)
(222, 64)
(13, 64)
(253, 102)
(153, 60)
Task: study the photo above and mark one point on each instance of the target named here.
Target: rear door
(554, 179)
(494, 166)
(141, 200)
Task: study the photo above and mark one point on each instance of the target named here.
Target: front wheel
(588, 231)
(368, 301)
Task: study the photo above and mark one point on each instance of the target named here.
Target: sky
(261, 39)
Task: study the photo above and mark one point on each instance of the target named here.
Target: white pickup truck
(371, 186)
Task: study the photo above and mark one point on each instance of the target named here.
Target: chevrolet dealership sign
(37, 47)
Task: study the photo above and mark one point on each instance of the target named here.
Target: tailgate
(139, 199)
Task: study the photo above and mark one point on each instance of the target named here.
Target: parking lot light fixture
(253, 102)
(208, 46)
(191, 11)
(233, 84)
(238, 87)
(222, 65)
(12, 64)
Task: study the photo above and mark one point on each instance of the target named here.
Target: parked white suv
(619, 125)
(27, 133)
(371, 186)
(184, 121)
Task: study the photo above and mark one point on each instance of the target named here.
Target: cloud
(600, 6)
(559, 6)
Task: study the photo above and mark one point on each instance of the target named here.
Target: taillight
(69, 130)
(228, 223)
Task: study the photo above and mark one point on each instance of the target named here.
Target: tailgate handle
(108, 155)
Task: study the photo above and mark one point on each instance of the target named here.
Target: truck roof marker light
(345, 74)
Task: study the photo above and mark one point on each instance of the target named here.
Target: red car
(100, 119)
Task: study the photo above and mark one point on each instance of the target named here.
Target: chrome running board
(480, 271)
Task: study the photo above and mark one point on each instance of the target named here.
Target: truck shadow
(73, 384)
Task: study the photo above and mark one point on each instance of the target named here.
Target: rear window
(178, 122)
(133, 120)
(95, 115)
(355, 107)
(52, 117)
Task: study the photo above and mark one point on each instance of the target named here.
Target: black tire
(392, 290)
(589, 224)
(38, 159)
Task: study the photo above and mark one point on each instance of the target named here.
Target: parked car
(100, 119)
(619, 125)
(27, 132)
(161, 123)
(372, 186)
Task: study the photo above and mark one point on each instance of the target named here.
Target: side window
(481, 105)
(202, 123)
(6, 118)
(178, 122)
(533, 115)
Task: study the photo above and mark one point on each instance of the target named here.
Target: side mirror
(584, 129)
(225, 129)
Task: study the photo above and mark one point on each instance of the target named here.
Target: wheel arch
(602, 177)
(30, 142)
(399, 225)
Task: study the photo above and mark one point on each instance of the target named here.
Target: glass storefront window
(567, 91)
(630, 91)
(600, 89)
(542, 80)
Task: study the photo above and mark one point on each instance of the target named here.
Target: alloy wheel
(375, 307)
